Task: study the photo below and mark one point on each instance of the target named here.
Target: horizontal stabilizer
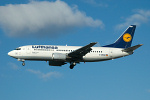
(132, 48)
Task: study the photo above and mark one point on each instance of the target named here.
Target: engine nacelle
(56, 63)
(58, 56)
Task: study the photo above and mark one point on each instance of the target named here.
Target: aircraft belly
(95, 58)
(37, 56)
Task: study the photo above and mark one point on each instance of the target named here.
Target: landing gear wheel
(23, 64)
(71, 66)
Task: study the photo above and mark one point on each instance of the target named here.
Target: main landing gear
(72, 64)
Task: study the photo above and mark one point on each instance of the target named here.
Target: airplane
(60, 55)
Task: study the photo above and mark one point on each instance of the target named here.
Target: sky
(75, 23)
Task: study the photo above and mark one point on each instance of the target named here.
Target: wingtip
(132, 25)
(94, 42)
(140, 44)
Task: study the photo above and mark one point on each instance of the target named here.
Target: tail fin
(125, 40)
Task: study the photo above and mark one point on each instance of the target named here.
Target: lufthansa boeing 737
(60, 55)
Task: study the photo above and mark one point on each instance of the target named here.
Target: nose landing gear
(23, 63)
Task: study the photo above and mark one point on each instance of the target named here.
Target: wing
(79, 53)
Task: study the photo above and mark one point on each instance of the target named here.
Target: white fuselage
(45, 53)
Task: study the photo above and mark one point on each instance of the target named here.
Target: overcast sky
(74, 22)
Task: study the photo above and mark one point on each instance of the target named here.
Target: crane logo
(127, 37)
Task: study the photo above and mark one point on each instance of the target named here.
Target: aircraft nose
(10, 53)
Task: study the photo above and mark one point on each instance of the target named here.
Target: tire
(23, 64)
(71, 66)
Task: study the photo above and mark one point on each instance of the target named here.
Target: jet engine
(59, 56)
(56, 63)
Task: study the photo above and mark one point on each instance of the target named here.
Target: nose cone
(10, 53)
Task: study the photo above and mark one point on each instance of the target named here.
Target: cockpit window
(18, 49)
